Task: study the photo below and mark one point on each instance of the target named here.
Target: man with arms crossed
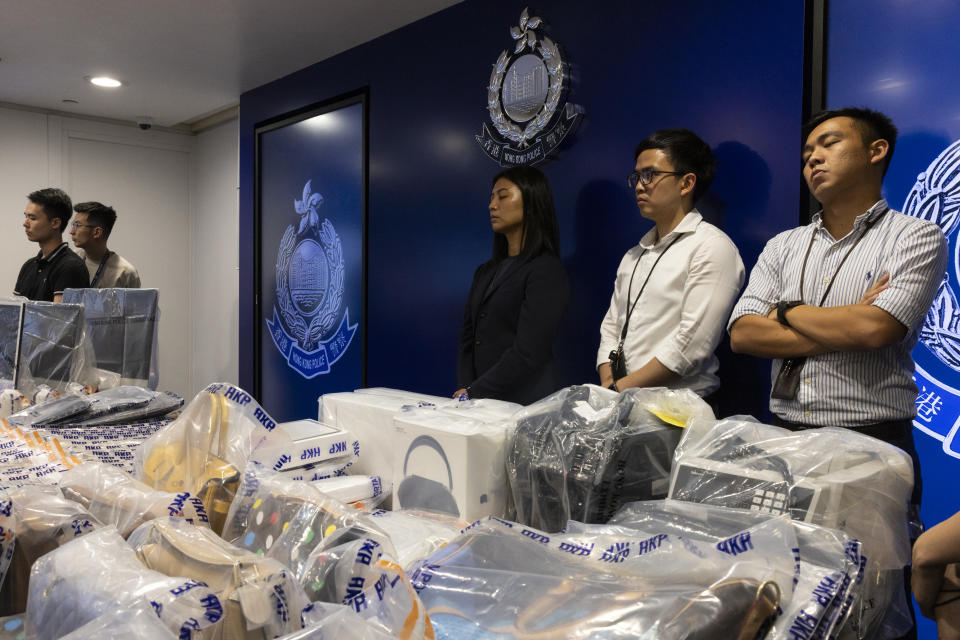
(90, 231)
(55, 267)
(673, 290)
(838, 303)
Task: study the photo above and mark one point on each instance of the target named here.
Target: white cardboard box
(368, 415)
(310, 442)
(449, 461)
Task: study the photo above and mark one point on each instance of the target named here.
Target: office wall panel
(732, 73)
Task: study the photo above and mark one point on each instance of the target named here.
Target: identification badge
(787, 384)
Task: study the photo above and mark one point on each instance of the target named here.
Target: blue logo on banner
(309, 274)
(936, 197)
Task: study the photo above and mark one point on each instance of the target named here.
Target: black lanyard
(803, 272)
(103, 263)
(626, 322)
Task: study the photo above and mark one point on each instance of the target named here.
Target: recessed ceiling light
(105, 81)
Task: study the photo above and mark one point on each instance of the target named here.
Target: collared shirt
(679, 319)
(118, 272)
(43, 278)
(853, 388)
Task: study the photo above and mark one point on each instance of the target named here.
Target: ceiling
(180, 60)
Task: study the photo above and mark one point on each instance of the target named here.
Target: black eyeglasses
(77, 225)
(646, 176)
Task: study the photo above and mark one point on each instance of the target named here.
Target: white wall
(216, 241)
(176, 200)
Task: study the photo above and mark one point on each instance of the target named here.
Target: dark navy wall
(732, 72)
(901, 58)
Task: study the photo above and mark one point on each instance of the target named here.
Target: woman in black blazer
(517, 299)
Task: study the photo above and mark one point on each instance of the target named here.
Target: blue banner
(311, 364)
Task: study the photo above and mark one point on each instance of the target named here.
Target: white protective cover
(118, 499)
(99, 572)
(140, 623)
(339, 554)
(204, 451)
(452, 460)
(502, 579)
(828, 579)
(257, 593)
(831, 477)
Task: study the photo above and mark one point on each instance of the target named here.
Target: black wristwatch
(613, 386)
(783, 307)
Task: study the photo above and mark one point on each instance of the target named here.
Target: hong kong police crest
(310, 293)
(936, 197)
(526, 99)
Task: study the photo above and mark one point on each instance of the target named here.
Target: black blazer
(509, 325)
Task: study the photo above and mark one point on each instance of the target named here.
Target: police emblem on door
(307, 326)
(936, 197)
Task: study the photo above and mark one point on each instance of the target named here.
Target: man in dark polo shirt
(55, 267)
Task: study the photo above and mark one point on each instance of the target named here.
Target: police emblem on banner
(526, 99)
(308, 326)
(936, 197)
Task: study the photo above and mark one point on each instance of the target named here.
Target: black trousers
(899, 433)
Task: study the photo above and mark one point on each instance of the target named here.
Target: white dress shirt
(680, 317)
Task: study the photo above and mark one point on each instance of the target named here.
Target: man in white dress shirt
(674, 290)
(90, 230)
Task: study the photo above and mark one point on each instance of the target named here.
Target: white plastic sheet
(98, 573)
(116, 498)
(831, 477)
(503, 578)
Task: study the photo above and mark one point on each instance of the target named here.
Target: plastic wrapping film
(261, 598)
(114, 445)
(159, 405)
(52, 349)
(326, 621)
(582, 452)
(43, 520)
(828, 576)
(120, 404)
(204, 450)
(121, 327)
(285, 519)
(339, 554)
(139, 622)
(12, 401)
(51, 411)
(8, 535)
(116, 498)
(415, 534)
(831, 477)
(99, 572)
(30, 457)
(13, 627)
(503, 579)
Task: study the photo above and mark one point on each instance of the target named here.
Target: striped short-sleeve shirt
(852, 388)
